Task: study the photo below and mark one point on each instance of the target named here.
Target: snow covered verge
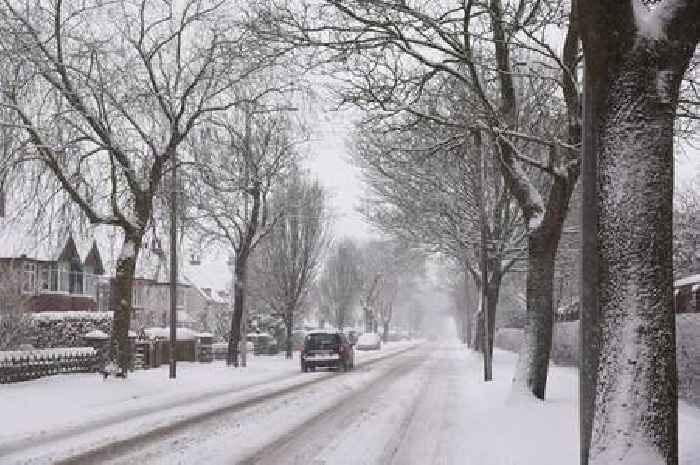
(565, 349)
(67, 404)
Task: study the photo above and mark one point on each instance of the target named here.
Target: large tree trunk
(493, 291)
(122, 301)
(234, 338)
(628, 400)
(468, 311)
(385, 330)
(635, 406)
(533, 361)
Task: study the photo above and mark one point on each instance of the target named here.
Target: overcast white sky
(329, 161)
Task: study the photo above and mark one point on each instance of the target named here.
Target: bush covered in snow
(66, 329)
(565, 343)
(509, 339)
(688, 355)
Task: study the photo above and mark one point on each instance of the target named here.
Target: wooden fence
(23, 366)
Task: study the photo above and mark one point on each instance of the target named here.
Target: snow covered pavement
(422, 406)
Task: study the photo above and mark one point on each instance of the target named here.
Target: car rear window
(321, 339)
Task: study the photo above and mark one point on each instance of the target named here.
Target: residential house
(198, 308)
(62, 282)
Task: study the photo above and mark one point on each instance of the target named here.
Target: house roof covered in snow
(183, 334)
(687, 281)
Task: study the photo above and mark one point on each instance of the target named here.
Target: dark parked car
(327, 349)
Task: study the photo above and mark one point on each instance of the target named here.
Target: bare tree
(637, 53)
(241, 157)
(106, 92)
(340, 282)
(292, 252)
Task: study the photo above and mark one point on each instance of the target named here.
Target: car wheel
(304, 368)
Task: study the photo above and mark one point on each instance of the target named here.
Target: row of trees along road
(381, 277)
(391, 272)
(387, 55)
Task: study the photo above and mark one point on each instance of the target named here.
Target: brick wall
(61, 303)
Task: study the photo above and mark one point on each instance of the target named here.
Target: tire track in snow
(303, 444)
(117, 448)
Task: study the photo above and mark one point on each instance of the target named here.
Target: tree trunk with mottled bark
(234, 337)
(493, 292)
(121, 296)
(533, 361)
(635, 60)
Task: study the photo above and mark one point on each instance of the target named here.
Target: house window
(139, 296)
(180, 297)
(29, 278)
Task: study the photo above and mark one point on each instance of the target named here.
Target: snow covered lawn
(49, 405)
(493, 429)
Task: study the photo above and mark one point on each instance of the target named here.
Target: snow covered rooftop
(183, 334)
(96, 334)
(47, 316)
(688, 280)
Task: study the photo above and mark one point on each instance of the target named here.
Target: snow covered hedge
(23, 365)
(66, 329)
(688, 356)
(9, 355)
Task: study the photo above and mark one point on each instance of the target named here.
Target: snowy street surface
(407, 404)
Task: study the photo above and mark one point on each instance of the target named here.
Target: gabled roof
(94, 260)
(70, 252)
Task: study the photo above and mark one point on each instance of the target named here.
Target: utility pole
(173, 267)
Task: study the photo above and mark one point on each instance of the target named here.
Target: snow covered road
(55, 418)
(419, 406)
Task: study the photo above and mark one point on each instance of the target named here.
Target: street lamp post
(173, 267)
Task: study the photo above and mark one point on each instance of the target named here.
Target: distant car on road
(327, 349)
(369, 341)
